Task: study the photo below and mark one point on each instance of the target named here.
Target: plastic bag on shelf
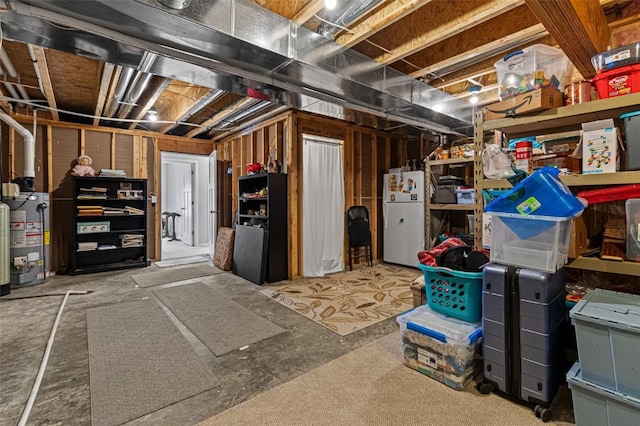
(495, 163)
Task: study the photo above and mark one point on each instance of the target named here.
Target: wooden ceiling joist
(308, 11)
(502, 45)
(579, 27)
(462, 78)
(454, 27)
(115, 77)
(221, 115)
(105, 79)
(184, 99)
(392, 12)
(43, 69)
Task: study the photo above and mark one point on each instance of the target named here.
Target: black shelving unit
(108, 230)
(273, 219)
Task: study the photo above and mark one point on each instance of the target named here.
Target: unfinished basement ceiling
(211, 66)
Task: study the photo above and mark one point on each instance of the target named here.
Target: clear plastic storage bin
(625, 55)
(533, 242)
(532, 68)
(441, 347)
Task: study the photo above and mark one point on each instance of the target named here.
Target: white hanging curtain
(322, 206)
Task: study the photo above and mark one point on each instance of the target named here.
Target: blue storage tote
(540, 194)
(454, 293)
(594, 405)
(441, 347)
(608, 335)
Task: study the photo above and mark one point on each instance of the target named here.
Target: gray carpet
(220, 323)
(139, 362)
(175, 274)
(182, 261)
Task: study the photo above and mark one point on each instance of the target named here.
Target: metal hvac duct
(29, 145)
(233, 45)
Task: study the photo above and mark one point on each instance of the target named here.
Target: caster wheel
(537, 410)
(545, 415)
(485, 388)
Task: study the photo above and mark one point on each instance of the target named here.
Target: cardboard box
(533, 101)
(599, 147)
(524, 154)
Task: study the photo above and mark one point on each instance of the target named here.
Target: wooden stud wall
(367, 155)
(58, 146)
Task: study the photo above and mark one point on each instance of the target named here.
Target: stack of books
(107, 247)
(93, 193)
(114, 211)
(112, 173)
(132, 240)
(87, 246)
(84, 211)
(133, 211)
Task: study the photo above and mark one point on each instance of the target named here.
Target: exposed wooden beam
(41, 64)
(105, 80)
(308, 11)
(150, 102)
(112, 88)
(497, 46)
(187, 97)
(436, 35)
(221, 115)
(579, 27)
(464, 77)
(392, 12)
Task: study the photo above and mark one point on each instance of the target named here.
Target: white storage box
(532, 68)
(441, 347)
(529, 241)
(465, 195)
(608, 335)
(594, 405)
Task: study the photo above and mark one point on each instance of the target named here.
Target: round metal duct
(176, 4)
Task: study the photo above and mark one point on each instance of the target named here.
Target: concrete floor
(177, 249)
(27, 316)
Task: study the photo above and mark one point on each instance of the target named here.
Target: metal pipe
(118, 93)
(35, 67)
(137, 87)
(29, 144)
(12, 72)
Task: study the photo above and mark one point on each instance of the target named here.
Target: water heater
(29, 254)
(5, 282)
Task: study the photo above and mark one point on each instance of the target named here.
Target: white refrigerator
(403, 213)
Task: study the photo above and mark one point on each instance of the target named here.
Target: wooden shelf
(565, 118)
(612, 266)
(459, 207)
(253, 216)
(496, 184)
(602, 179)
(450, 161)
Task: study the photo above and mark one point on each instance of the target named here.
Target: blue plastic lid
(629, 114)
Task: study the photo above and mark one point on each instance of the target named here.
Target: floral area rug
(349, 301)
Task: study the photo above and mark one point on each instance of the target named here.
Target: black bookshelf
(110, 224)
(269, 212)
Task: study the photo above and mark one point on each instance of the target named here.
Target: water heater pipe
(29, 144)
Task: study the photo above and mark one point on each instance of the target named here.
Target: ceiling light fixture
(152, 114)
(474, 90)
(330, 4)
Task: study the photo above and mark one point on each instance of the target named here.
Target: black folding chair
(359, 235)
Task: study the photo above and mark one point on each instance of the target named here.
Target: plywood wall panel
(366, 182)
(97, 145)
(124, 154)
(6, 172)
(65, 150)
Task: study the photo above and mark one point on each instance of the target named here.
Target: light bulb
(330, 4)
(152, 114)
(474, 99)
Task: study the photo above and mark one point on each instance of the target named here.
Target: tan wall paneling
(374, 212)
(245, 159)
(12, 157)
(6, 152)
(97, 145)
(348, 155)
(65, 151)
(366, 166)
(357, 169)
(381, 169)
(235, 162)
(124, 154)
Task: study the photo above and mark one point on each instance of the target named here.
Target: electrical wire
(120, 120)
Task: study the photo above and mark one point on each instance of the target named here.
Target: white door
(187, 204)
(212, 223)
(403, 233)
